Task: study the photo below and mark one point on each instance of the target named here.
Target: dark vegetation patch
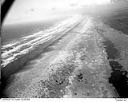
(112, 52)
(118, 76)
(119, 79)
(116, 16)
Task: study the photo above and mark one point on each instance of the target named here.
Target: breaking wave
(14, 50)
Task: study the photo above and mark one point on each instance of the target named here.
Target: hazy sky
(33, 10)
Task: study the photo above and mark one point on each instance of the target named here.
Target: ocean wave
(11, 51)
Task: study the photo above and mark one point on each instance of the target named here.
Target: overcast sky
(33, 10)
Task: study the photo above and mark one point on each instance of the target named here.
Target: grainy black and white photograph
(64, 49)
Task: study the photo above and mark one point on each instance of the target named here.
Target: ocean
(12, 33)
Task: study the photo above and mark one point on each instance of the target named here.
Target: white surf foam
(28, 43)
